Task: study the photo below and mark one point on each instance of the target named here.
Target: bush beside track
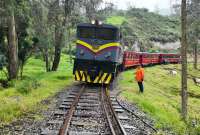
(161, 99)
(25, 95)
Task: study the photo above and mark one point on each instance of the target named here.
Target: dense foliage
(144, 26)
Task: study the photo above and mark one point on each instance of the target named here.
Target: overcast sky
(150, 4)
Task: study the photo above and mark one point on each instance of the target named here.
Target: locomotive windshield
(85, 32)
(97, 33)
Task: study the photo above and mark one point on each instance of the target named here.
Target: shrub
(26, 86)
(11, 83)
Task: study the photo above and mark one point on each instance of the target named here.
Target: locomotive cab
(98, 53)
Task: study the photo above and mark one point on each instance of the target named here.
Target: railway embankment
(29, 110)
(28, 95)
(161, 98)
(95, 111)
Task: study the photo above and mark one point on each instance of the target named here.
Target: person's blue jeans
(140, 84)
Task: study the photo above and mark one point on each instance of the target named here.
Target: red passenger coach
(131, 59)
(170, 58)
(149, 58)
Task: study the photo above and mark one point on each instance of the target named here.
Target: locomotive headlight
(81, 52)
(100, 22)
(108, 55)
(93, 22)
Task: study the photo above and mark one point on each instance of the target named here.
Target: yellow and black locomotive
(99, 53)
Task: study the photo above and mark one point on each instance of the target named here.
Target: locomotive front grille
(101, 78)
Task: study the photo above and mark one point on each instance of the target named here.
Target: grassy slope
(161, 98)
(116, 20)
(13, 103)
(147, 25)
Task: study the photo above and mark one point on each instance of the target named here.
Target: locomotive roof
(93, 25)
(152, 53)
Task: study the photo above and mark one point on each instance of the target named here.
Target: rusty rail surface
(64, 129)
(112, 119)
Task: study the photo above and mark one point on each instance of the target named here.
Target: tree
(194, 28)
(26, 49)
(42, 31)
(184, 59)
(60, 17)
(14, 30)
(12, 41)
(91, 8)
(52, 22)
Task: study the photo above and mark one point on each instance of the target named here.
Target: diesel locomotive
(100, 56)
(99, 53)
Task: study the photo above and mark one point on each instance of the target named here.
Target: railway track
(112, 118)
(90, 110)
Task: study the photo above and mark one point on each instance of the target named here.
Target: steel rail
(130, 111)
(113, 121)
(64, 128)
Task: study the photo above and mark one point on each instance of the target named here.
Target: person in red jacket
(139, 76)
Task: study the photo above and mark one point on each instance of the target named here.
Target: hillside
(145, 27)
(161, 98)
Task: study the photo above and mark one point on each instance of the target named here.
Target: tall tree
(42, 31)
(61, 18)
(194, 28)
(184, 59)
(12, 41)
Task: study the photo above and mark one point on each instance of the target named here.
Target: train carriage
(99, 54)
(149, 58)
(131, 59)
(169, 58)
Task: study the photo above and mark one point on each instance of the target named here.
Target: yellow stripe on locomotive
(104, 78)
(97, 49)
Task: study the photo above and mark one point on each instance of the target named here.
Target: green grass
(161, 99)
(115, 20)
(14, 103)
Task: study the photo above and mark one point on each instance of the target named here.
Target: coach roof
(93, 25)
